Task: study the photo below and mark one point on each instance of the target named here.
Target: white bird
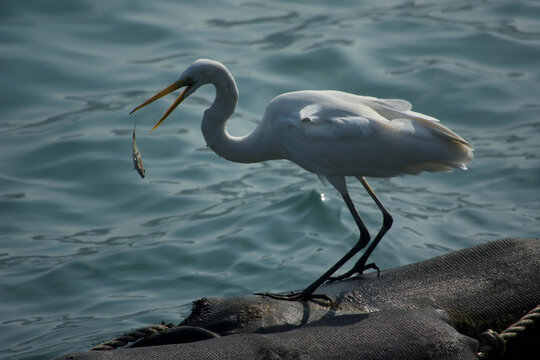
(330, 133)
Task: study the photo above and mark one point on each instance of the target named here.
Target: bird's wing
(425, 128)
(400, 115)
(395, 104)
(395, 109)
(335, 120)
(353, 105)
(367, 145)
(338, 133)
(326, 140)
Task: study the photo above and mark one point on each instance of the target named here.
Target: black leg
(362, 242)
(360, 265)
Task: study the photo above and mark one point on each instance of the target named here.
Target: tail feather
(435, 146)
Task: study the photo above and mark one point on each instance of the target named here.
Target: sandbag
(429, 310)
(397, 334)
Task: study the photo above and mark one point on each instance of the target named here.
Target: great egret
(330, 133)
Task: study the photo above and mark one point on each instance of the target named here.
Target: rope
(132, 336)
(493, 344)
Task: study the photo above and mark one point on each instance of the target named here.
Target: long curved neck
(251, 148)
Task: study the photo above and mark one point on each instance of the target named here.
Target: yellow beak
(169, 89)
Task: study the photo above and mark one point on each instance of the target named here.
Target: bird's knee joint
(387, 220)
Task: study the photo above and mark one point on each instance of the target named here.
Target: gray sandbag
(393, 334)
(374, 317)
(486, 286)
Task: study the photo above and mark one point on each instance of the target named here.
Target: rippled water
(89, 250)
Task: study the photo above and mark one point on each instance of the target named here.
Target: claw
(353, 271)
(298, 296)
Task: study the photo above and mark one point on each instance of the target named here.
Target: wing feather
(330, 132)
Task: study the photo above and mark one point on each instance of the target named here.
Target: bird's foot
(357, 269)
(299, 296)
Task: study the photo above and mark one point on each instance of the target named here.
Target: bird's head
(199, 73)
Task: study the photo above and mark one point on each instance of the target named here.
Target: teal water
(90, 250)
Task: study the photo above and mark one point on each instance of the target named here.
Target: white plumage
(330, 133)
(336, 133)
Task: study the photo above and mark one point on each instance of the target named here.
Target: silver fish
(137, 160)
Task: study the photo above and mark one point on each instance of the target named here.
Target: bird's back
(332, 132)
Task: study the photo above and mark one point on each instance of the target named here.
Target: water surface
(89, 250)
